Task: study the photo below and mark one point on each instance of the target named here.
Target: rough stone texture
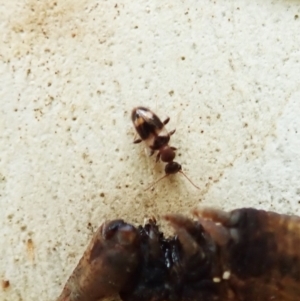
(226, 72)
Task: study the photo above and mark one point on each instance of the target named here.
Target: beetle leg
(166, 120)
(137, 141)
(151, 152)
(172, 132)
(157, 157)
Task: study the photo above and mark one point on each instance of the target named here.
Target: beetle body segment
(150, 128)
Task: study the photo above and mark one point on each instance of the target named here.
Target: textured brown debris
(107, 264)
(242, 255)
(5, 284)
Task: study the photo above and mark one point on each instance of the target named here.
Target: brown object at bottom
(242, 255)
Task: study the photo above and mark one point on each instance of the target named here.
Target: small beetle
(153, 132)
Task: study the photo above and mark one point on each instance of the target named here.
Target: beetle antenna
(188, 179)
(154, 183)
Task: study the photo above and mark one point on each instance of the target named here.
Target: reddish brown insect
(152, 130)
(242, 255)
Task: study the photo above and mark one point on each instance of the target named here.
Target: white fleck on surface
(225, 72)
(216, 280)
(226, 275)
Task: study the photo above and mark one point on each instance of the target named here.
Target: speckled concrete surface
(226, 72)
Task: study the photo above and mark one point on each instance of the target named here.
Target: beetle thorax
(167, 154)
